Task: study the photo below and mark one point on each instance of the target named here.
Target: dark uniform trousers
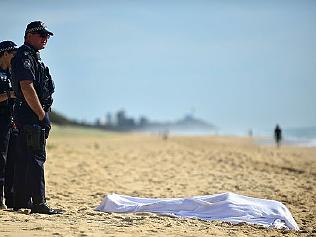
(29, 181)
(4, 141)
(9, 168)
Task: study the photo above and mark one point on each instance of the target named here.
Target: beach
(84, 165)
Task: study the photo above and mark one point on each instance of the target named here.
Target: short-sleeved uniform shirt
(5, 86)
(26, 65)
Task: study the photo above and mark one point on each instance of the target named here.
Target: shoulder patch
(27, 63)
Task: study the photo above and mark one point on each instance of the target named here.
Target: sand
(84, 165)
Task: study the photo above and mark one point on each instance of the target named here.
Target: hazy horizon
(235, 64)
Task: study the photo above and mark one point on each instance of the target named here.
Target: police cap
(37, 27)
(7, 46)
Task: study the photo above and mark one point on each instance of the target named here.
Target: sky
(237, 64)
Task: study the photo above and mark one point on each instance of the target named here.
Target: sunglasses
(43, 35)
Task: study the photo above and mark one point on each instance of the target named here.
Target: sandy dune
(83, 166)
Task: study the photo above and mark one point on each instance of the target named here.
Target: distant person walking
(278, 135)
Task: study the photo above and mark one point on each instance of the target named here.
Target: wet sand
(84, 165)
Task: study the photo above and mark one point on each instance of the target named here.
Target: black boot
(43, 208)
(21, 203)
(9, 202)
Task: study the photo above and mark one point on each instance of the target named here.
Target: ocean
(301, 136)
(305, 137)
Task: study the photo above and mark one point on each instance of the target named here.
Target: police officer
(34, 87)
(7, 52)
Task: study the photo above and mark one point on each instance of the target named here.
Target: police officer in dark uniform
(7, 52)
(34, 87)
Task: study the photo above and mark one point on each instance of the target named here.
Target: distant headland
(120, 122)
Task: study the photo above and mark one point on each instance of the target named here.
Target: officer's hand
(46, 124)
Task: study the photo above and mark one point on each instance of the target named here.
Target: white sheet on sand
(228, 207)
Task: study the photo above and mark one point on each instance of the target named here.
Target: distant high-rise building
(143, 121)
(108, 119)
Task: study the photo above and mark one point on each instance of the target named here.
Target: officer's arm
(32, 98)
